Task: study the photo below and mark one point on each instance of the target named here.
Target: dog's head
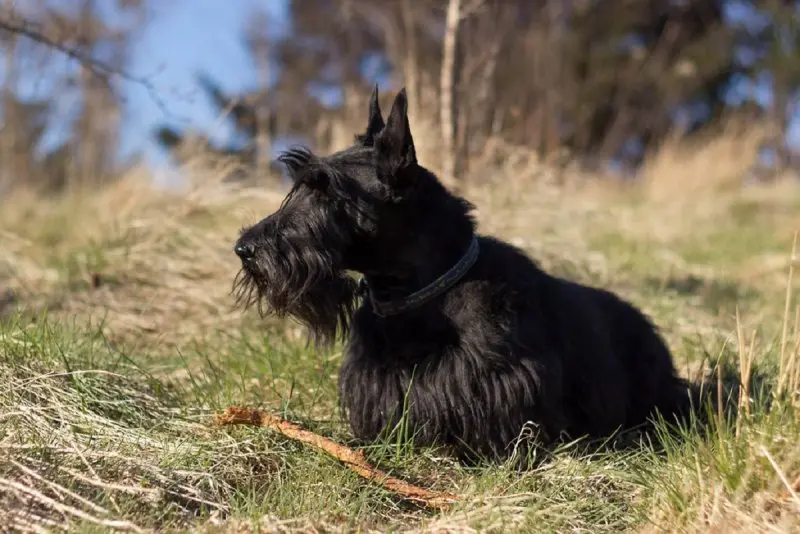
(354, 210)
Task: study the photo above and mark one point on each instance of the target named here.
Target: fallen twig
(354, 460)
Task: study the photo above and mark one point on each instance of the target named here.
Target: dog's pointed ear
(394, 146)
(375, 121)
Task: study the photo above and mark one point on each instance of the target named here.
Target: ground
(119, 341)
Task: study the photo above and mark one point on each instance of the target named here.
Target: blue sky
(186, 37)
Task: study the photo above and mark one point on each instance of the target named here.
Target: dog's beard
(306, 286)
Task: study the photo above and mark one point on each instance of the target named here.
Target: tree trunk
(11, 170)
(263, 112)
(446, 92)
(485, 87)
(410, 66)
(780, 127)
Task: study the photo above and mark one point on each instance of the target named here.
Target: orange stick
(353, 460)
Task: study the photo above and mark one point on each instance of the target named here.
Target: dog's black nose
(245, 251)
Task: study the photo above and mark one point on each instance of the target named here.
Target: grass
(123, 342)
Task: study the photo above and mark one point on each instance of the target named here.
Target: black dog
(461, 334)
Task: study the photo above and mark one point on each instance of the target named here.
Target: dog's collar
(432, 290)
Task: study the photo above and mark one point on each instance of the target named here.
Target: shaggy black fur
(509, 350)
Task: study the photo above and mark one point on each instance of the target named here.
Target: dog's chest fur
(476, 365)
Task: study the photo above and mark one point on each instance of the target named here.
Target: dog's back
(509, 345)
(616, 368)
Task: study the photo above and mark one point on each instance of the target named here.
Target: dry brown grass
(159, 262)
(157, 267)
(681, 170)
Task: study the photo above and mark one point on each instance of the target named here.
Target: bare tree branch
(98, 67)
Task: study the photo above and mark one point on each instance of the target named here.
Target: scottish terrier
(459, 335)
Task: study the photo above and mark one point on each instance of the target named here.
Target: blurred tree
(602, 80)
(770, 42)
(76, 47)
